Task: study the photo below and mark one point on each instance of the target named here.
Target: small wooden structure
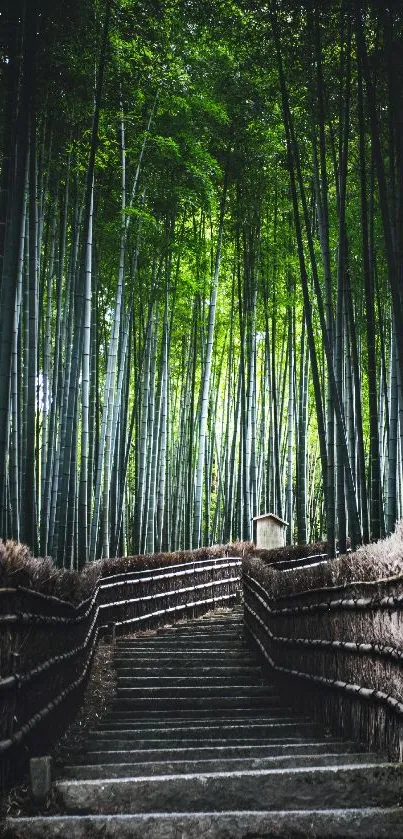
(269, 531)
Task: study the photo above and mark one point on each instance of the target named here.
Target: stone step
(245, 749)
(178, 722)
(368, 822)
(235, 630)
(115, 744)
(178, 767)
(236, 654)
(183, 692)
(176, 683)
(158, 662)
(208, 639)
(185, 666)
(195, 625)
(355, 785)
(188, 647)
(162, 651)
(190, 673)
(191, 713)
(198, 631)
(190, 632)
(189, 670)
(191, 628)
(209, 628)
(237, 617)
(276, 728)
(219, 702)
(184, 656)
(190, 644)
(234, 616)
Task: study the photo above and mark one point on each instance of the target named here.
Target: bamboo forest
(201, 265)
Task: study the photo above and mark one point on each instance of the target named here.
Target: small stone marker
(40, 771)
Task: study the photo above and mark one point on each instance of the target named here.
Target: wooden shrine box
(269, 531)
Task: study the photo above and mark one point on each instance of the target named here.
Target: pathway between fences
(199, 741)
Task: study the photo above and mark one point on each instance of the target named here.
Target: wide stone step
(369, 822)
(179, 723)
(158, 663)
(188, 645)
(187, 676)
(233, 618)
(235, 655)
(177, 767)
(185, 691)
(191, 631)
(247, 749)
(202, 625)
(218, 654)
(188, 670)
(231, 680)
(205, 642)
(191, 627)
(197, 631)
(236, 628)
(275, 728)
(218, 701)
(193, 742)
(192, 713)
(176, 681)
(299, 788)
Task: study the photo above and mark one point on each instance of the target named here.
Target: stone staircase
(197, 743)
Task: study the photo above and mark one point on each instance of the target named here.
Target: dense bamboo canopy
(201, 264)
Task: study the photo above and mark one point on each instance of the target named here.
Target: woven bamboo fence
(337, 652)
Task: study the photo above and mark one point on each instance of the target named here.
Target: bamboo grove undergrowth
(201, 270)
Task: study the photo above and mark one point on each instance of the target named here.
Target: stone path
(197, 743)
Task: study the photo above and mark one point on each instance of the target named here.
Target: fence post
(15, 663)
(194, 591)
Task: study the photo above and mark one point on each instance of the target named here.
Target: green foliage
(196, 86)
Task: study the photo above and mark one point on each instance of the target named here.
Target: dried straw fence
(46, 644)
(337, 650)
